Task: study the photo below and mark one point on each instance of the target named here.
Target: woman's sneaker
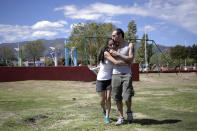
(120, 121)
(129, 116)
(104, 113)
(107, 120)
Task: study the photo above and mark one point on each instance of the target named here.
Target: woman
(103, 83)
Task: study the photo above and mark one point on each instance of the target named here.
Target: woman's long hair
(105, 48)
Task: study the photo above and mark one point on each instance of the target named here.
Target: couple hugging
(114, 77)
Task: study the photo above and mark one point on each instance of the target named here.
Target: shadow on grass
(151, 121)
(155, 122)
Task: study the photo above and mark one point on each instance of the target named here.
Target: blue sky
(167, 22)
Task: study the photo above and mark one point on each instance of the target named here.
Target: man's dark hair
(120, 31)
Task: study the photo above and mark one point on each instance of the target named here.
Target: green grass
(165, 102)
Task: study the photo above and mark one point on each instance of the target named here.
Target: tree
(158, 58)
(49, 62)
(192, 52)
(178, 52)
(93, 45)
(131, 32)
(34, 50)
(140, 54)
(7, 53)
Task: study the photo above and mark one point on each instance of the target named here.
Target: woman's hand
(113, 53)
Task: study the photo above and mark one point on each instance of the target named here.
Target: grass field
(162, 102)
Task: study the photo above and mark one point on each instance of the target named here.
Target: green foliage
(3, 63)
(34, 50)
(192, 52)
(7, 53)
(90, 46)
(49, 62)
(158, 58)
(140, 55)
(178, 53)
(131, 32)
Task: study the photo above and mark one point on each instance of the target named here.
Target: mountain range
(47, 43)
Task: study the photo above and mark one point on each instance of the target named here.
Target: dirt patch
(157, 93)
(178, 109)
(34, 119)
(60, 123)
(165, 79)
(139, 98)
(188, 90)
(139, 115)
(143, 129)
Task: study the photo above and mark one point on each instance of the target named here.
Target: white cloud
(47, 24)
(74, 13)
(160, 23)
(149, 28)
(178, 12)
(41, 29)
(110, 20)
(98, 10)
(43, 34)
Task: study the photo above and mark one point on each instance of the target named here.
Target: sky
(167, 22)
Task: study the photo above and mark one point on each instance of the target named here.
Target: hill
(47, 43)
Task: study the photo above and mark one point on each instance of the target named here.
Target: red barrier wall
(78, 73)
(171, 71)
(135, 71)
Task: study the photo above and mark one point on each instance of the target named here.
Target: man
(122, 88)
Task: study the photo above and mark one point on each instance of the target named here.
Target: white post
(18, 55)
(185, 60)
(146, 63)
(53, 51)
(17, 49)
(55, 59)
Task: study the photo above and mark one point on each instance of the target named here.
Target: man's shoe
(129, 116)
(120, 121)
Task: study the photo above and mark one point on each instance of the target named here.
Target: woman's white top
(105, 72)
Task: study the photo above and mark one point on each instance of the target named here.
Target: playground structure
(70, 53)
(53, 54)
(86, 40)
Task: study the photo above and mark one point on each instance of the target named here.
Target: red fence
(171, 71)
(78, 73)
(135, 71)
